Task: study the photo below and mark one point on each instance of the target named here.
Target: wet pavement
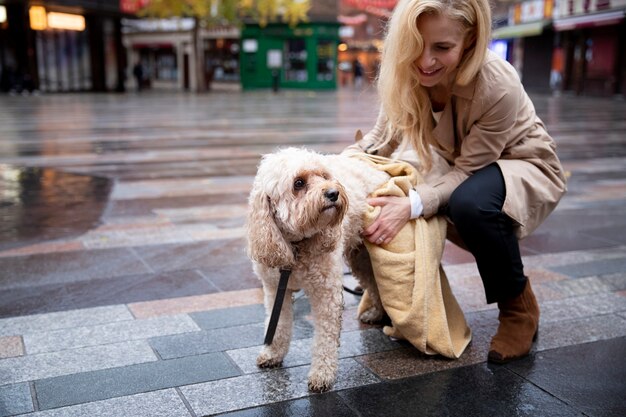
(125, 290)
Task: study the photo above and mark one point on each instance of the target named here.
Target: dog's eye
(299, 184)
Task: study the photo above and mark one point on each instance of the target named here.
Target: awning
(520, 31)
(589, 20)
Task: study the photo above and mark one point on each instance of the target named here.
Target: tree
(212, 13)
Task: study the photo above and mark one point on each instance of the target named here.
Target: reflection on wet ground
(44, 203)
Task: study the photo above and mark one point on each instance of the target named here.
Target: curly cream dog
(305, 213)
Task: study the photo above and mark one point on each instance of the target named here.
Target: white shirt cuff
(417, 208)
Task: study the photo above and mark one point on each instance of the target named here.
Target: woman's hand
(394, 214)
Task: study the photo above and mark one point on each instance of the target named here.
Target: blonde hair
(404, 101)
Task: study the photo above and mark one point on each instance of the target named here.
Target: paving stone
(15, 399)
(580, 286)
(352, 344)
(476, 390)
(583, 330)
(66, 267)
(266, 387)
(215, 340)
(63, 320)
(196, 303)
(116, 382)
(11, 346)
(47, 365)
(229, 317)
(165, 403)
(108, 333)
(600, 267)
(589, 377)
(617, 281)
(328, 404)
(578, 307)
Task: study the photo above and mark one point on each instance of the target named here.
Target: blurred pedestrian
(357, 70)
(138, 74)
(450, 99)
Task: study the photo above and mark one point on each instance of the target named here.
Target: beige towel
(413, 286)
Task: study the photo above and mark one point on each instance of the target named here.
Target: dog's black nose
(332, 194)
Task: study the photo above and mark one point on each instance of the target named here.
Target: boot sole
(496, 357)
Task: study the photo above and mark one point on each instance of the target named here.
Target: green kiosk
(278, 56)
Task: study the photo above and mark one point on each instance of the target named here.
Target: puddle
(38, 204)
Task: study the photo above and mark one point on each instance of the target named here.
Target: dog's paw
(320, 382)
(266, 360)
(372, 315)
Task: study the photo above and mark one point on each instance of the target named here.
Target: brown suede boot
(519, 322)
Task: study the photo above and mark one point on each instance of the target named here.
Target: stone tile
(11, 346)
(581, 330)
(44, 247)
(66, 267)
(578, 307)
(565, 240)
(229, 317)
(328, 404)
(48, 365)
(579, 287)
(614, 233)
(165, 403)
(616, 281)
(200, 255)
(147, 206)
(589, 377)
(352, 344)
(196, 303)
(15, 399)
(163, 234)
(475, 390)
(408, 362)
(64, 320)
(551, 260)
(106, 291)
(600, 267)
(180, 187)
(108, 333)
(122, 381)
(266, 387)
(214, 340)
(232, 277)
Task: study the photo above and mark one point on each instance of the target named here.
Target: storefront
(592, 38)
(527, 42)
(164, 49)
(277, 56)
(48, 48)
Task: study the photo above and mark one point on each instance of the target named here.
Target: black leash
(278, 305)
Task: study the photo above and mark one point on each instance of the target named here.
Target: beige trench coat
(493, 120)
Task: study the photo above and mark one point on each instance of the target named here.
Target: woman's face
(444, 44)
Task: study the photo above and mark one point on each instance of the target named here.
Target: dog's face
(302, 194)
(294, 195)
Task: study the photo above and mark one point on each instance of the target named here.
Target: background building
(576, 46)
(61, 45)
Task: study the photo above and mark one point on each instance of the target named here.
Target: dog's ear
(266, 243)
(358, 136)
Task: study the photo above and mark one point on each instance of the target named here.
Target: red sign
(132, 6)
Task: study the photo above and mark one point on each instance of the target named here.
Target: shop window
(166, 66)
(295, 65)
(222, 59)
(325, 60)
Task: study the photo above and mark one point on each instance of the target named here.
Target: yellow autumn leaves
(212, 12)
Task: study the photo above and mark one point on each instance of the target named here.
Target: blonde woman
(442, 91)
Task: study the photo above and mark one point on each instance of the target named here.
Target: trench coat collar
(444, 132)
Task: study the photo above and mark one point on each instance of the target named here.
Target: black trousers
(475, 208)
